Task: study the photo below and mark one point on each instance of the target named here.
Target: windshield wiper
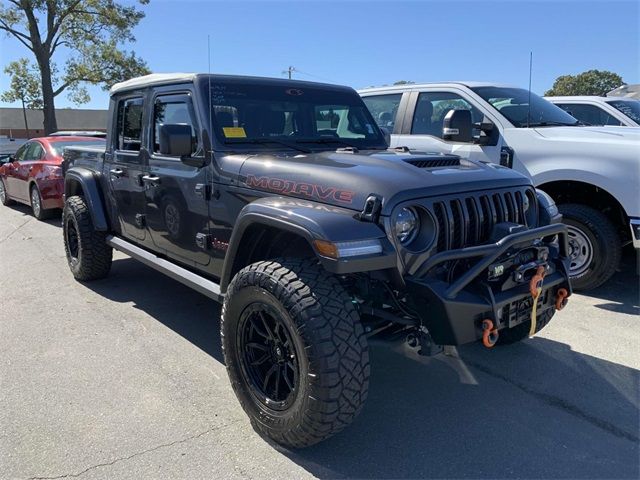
(261, 141)
(327, 140)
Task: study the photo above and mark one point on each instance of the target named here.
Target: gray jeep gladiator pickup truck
(282, 200)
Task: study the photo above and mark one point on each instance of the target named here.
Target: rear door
(24, 170)
(127, 165)
(176, 193)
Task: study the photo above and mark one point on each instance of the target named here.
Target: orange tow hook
(489, 334)
(535, 284)
(561, 298)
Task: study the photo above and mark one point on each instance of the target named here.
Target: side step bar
(190, 279)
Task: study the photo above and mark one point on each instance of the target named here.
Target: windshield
(305, 118)
(631, 108)
(513, 103)
(58, 147)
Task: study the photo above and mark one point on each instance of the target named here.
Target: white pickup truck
(592, 173)
(614, 111)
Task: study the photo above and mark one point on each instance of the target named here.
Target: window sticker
(234, 132)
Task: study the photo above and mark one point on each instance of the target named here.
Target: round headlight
(406, 225)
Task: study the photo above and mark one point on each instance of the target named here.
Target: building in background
(12, 121)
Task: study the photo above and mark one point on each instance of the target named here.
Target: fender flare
(311, 221)
(91, 192)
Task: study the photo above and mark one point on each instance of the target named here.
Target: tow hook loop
(561, 298)
(535, 288)
(489, 334)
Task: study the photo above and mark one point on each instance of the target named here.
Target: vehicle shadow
(182, 309)
(55, 219)
(621, 294)
(530, 410)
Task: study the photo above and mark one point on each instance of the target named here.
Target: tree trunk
(48, 107)
(26, 124)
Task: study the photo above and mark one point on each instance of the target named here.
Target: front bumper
(453, 312)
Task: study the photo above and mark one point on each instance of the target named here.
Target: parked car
(591, 172)
(280, 199)
(601, 111)
(33, 175)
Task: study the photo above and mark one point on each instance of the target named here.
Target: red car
(33, 175)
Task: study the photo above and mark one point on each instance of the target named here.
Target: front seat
(422, 124)
(272, 123)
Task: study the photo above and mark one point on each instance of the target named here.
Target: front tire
(4, 196)
(594, 246)
(88, 255)
(295, 350)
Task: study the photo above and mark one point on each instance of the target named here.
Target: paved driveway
(123, 378)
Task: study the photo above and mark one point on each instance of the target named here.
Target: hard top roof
(171, 78)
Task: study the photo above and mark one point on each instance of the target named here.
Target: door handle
(30, 168)
(152, 179)
(116, 172)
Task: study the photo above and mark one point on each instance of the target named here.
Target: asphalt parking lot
(124, 378)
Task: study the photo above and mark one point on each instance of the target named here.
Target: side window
(34, 152)
(432, 108)
(129, 125)
(384, 109)
(20, 153)
(171, 110)
(589, 114)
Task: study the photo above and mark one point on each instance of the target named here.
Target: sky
(361, 44)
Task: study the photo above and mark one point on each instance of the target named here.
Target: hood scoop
(434, 161)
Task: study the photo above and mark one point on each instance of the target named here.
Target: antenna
(529, 103)
(289, 71)
(210, 95)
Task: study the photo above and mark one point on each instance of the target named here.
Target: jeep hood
(347, 179)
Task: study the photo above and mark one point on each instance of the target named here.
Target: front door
(176, 193)
(12, 183)
(127, 165)
(422, 126)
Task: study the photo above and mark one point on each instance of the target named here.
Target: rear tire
(88, 255)
(4, 196)
(595, 248)
(315, 333)
(36, 204)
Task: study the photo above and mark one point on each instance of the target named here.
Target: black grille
(468, 221)
(435, 162)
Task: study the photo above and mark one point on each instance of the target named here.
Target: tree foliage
(24, 85)
(591, 82)
(88, 33)
(403, 82)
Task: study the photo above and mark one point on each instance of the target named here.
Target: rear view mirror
(175, 140)
(457, 126)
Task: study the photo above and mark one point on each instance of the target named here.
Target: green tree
(24, 87)
(88, 32)
(403, 82)
(591, 82)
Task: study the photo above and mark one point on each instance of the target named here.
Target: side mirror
(488, 132)
(175, 140)
(457, 126)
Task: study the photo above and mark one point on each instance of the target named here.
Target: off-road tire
(90, 258)
(4, 199)
(520, 332)
(607, 247)
(329, 338)
(39, 212)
